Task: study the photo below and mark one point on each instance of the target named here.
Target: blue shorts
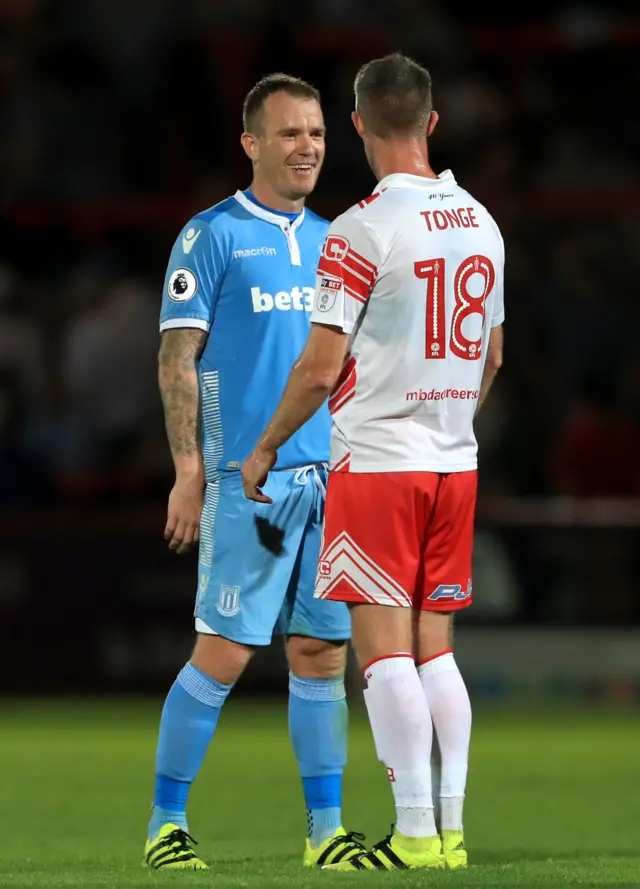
(258, 562)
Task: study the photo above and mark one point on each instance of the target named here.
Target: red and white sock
(403, 731)
(450, 709)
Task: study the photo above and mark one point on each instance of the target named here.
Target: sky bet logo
(300, 298)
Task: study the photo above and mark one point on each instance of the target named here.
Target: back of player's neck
(408, 158)
(407, 171)
(268, 198)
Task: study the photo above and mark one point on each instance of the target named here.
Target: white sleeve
(498, 303)
(347, 271)
(497, 317)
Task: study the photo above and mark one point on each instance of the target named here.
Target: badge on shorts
(229, 601)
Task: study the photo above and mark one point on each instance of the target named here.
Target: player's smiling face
(289, 150)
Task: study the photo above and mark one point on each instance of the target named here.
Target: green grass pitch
(552, 800)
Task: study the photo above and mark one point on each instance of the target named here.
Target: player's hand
(255, 470)
(183, 515)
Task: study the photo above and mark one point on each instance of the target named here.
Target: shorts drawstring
(304, 473)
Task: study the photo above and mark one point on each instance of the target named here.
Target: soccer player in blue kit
(235, 316)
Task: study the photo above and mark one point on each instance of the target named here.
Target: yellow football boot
(172, 849)
(396, 852)
(455, 854)
(342, 846)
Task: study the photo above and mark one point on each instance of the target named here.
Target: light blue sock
(189, 719)
(318, 727)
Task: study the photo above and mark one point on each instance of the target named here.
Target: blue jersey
(246, 275)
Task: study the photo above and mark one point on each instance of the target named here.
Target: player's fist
(255, 470)
(185, 508)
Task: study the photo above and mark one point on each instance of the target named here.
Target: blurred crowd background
(120, 119)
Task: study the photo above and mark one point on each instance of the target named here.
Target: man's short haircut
(393, 96)
(273, 83)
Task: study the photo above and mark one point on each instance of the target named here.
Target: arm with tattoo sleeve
(178, 380)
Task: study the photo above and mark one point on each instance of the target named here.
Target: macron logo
(300, 298)
(256, 251)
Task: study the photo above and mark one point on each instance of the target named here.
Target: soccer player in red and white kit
(406, 338)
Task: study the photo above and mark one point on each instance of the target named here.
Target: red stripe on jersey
(348, 369)
(372, 197)
(357, 279)
(361, 299)
(340, 397)
(345, 387)
(329, 267)
(365, 262)
(355, 283)
(337, 403)
(356, 273)
(343, 465)
(363, 203)
(358, 268)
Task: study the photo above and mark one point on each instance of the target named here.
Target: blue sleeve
(194, 275)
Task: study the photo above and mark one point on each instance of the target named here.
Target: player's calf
(450, 709)
(318, 728)
(402, 730)
(189, 719)
(398, 711)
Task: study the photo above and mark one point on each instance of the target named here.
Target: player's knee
(221, 658)
(316, 658)
(435, 633)
(380, 631)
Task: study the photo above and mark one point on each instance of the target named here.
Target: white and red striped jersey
(415, 275)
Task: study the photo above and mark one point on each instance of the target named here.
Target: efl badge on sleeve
(328, 292)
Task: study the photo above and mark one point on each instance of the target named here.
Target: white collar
(288, 227)
(408, 180)
(268, 215)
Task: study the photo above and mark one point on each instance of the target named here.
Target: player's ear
(357, 122)
(434, 117)
(250, 146)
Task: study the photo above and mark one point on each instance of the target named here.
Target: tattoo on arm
(178, 381)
